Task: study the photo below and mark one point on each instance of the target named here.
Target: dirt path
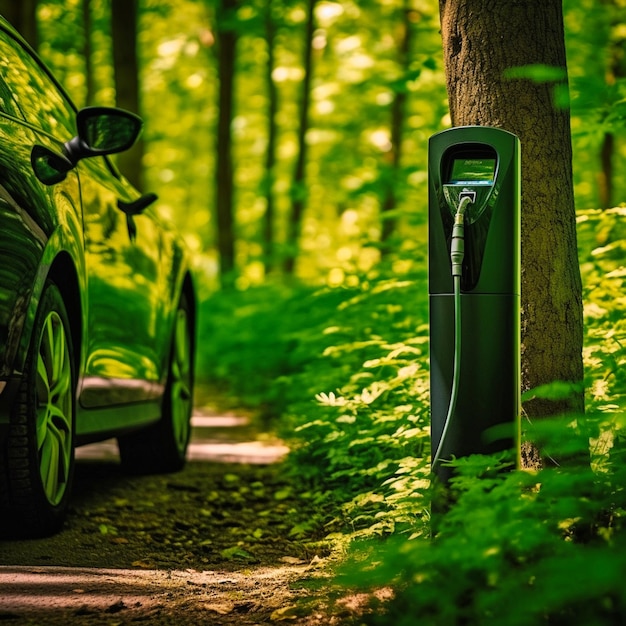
(226, 541)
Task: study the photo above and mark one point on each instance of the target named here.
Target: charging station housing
(483, 162)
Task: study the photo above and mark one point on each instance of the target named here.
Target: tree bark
(22, 15)
(483, 40)
(616, 72)
(227, 47)
(126, 69)
(270, 154)
(398, 108)
(298, 186)
(87, 50)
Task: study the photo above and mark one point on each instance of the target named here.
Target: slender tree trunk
(298, 188)
(398, 108)
(605, 178)
(270, 155)
(126, 67)
(483, 40)
(616, 72)
(226, 47)
(22, 15)
(87, 49)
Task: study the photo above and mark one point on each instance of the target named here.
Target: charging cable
(457, 254)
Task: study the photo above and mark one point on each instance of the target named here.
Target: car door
(122, 257)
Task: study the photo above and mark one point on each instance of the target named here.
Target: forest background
(302, 194)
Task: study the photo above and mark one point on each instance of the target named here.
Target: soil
(225, 541)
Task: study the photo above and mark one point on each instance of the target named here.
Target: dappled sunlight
(206, 445)
(243, 452)
(134, 594)
(56, 588)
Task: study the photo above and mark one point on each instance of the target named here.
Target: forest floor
(213, 544)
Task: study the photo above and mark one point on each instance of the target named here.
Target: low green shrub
(521, 548)
(346, 371)
(516, 548)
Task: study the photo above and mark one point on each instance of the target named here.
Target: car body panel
(124, 289)
(123, 282)
(30, 240)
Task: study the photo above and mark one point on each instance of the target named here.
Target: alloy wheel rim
(55, 407)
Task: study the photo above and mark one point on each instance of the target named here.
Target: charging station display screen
(473, 171)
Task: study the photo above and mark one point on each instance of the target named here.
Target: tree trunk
(483, 40)
(87, 49)
(605, 178)
(298, 187)
(398, 107)
(226, 47)
(616, 72)
(22, 15)
(270, 155)
(126, 69)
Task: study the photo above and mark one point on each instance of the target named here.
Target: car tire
(37, 458)
(162, 447)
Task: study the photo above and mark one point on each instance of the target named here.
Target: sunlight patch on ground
(28, 590)
(244, 452)
(204, 446)
(217, 421)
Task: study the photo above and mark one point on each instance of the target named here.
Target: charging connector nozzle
(457, 245)
(467, 193)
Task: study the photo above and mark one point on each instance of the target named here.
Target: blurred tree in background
(124, 15)
(226, 29)
(23, 15)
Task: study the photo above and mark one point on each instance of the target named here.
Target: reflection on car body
(97, 308)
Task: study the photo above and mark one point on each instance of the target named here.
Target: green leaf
(236, 553)
(557, 390)
(538, 73)
(283, 494)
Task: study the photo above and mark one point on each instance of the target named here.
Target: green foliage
(595, 42)
(246, 339)
(603, 242)
(521, 548)
(348, 372)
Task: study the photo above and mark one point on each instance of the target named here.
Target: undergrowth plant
(517, 548)
(522, 548)
(346, 371)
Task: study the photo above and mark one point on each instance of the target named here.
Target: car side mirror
(102, 131)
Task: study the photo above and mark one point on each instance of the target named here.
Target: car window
(39, 98)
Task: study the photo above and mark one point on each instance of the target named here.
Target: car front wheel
(37, 459)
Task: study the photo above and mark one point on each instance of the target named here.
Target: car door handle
(136, 207)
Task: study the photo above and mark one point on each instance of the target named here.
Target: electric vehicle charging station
(474, 293)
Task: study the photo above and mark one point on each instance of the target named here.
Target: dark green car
(97, 307)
